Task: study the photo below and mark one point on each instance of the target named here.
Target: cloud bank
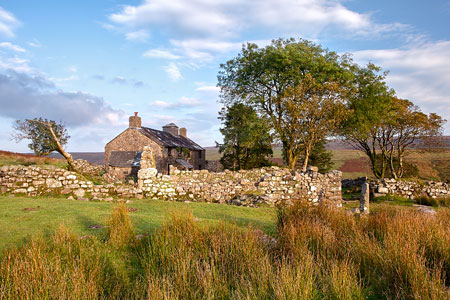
(29, 96)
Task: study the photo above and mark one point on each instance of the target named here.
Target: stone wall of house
(409, 189)
(251, 188)
(132, 140)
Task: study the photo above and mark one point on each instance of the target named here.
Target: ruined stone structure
(171, 147)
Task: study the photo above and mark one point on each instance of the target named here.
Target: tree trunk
(401, 170)
(66, 155)
(391, 165)
(305, 162)
(292, 161)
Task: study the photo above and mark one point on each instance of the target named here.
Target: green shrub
(430, 201)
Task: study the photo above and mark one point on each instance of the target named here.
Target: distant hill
(95, 158)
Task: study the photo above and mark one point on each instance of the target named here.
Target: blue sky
(92, 64)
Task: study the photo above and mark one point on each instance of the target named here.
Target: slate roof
(169, 140)
(125, 159)
(184, 163)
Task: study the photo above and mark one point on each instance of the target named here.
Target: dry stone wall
(409, 189)
(270, 186)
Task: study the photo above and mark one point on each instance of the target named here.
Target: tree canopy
(299, 86)
(46, 136)
(382, 125)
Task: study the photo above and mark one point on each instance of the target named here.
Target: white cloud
(208, 89)
(161, 104)
(9, 46)
(189, 101)
(183, 102)
(72, 69)
(137, 36)
(59, 80)
(35, 43)
(229, 18)
(173, 71)
(15, 63)
(8, 23)
(157, 53)
(419, 73)
(119, 80)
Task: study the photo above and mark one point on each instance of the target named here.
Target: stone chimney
(183, 132)
(171, 128)
(135, 121)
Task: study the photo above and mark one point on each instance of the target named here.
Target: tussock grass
(321, 253)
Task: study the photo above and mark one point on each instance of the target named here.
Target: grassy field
(22, 217)
(320, 253)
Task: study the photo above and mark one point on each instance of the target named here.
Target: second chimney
(135, 121)
(183, 132)
(171, 128)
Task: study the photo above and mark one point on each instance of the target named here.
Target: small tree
(46, 136)
(383, 126)
(408, 126)
(247, 140)
(321, 158)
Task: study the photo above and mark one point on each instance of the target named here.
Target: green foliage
(393, 199)
(430, 201)
(38, 132)
(384, 126)
(247, 139)
(320, 157)
(299, 86)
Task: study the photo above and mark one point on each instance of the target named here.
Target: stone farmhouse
(171, 147)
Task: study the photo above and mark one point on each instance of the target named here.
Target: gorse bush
(320, 253)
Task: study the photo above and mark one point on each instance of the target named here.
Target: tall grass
(321, 253)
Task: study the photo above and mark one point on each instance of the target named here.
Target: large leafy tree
(46, 136)
(299, 86)
(246, 138)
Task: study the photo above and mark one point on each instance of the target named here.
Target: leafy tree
(383, 126)
(247, 139)
(46, 136)
(370, 104)
(408, 126)
(298, 86)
